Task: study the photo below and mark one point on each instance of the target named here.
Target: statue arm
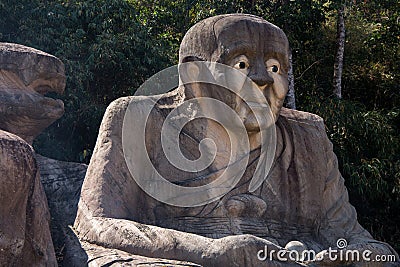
(341, 218)
(156, 242)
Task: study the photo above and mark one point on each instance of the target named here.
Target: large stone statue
(303, 198)
(26, 74)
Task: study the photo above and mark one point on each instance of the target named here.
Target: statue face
(26, 75)
(259, 50)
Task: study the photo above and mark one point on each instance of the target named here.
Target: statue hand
(335, 257)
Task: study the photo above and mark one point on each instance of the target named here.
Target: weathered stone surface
(303, 198)
(62, 182)
(25, 238)
(100, 256)
(26, 75)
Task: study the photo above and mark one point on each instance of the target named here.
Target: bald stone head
(250, 44)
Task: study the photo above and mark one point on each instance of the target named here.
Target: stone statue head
(250, 44)
(26, 75)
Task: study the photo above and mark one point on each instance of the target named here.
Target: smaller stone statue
(26, 74)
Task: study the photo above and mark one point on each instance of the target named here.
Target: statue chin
(254, 125)
(258, 117)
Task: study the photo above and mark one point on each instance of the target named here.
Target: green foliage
(373, 53)
(367, 144)
(107, 52)
(365, 127)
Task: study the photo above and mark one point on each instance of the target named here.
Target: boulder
(25, 238)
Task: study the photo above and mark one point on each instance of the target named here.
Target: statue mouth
(27, 110)
(257, 105)
(254, 116)
(49, 100)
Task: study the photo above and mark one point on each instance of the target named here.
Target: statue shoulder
(308, 135)
(113, 118)
(164, 101)
(302, 119)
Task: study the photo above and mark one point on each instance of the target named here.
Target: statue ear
(189, 69)
(191, 58)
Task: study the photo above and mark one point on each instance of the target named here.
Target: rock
(299, 247)
(62, 182)
(25, 238)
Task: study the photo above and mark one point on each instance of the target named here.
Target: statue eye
(273, 65)
(241, 63)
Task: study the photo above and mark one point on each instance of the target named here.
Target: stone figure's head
(250, 44)
(26, 75)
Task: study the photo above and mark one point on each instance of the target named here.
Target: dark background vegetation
(110, 47)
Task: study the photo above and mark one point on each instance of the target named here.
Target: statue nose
(261, 77)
